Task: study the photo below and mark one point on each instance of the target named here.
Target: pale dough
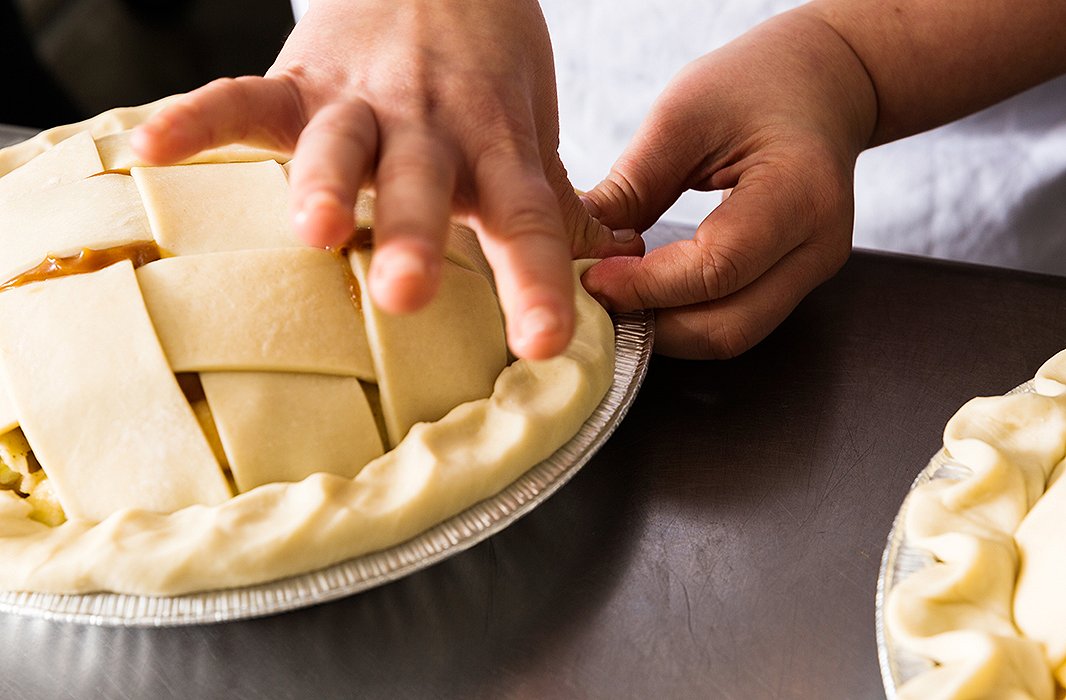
(989, 611)
(116, 154)
(8, 418)
(103, 211)
(103, 124)
(215, 207)
(88, 338)
(449, 352)
(284, 310)
(74, 159)
(281, 529)
(278, 530)
(273, 428)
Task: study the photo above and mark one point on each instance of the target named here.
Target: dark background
(67, 60)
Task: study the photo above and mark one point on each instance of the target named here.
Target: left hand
(778, 117)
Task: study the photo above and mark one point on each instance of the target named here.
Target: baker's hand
(779, 116)
(447, 107)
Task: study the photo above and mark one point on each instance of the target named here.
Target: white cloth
(990, 188)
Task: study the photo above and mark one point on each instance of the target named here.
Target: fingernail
(142, 137)
(539, 321)
(316, 201)
(397, 264)
(590, 206)
(624, 235)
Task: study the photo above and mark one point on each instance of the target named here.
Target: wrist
(844, 84)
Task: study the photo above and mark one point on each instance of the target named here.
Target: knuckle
(294, 72)
(621, 194)
(723, 338)
(411, 166)
(338, 126)
(410, 225)
(332, 122)
(719, 273)
(530, 220)
(511, 147)
(643, 292)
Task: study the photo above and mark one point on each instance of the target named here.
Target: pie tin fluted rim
(901, 559)
(634, 335)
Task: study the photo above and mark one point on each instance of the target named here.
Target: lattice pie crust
(211, 404)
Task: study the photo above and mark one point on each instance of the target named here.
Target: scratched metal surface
(725, 543)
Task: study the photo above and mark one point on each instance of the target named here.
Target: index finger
(256, 111)
(757, 225)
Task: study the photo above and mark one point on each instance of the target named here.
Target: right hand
(446, 107)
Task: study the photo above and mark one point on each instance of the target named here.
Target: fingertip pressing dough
(197, 401)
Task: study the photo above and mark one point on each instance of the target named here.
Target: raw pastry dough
(132, 542)
(422, 379)
(72, 160)
(272, 426)
(99, 212)
(97, 400)
(8, 418)
(280, 310)
(210, 208)
(989, 612)
(117, 155)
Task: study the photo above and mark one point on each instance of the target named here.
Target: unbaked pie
(989, 612)
(191, 399)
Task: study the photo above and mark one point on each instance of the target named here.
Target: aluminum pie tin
(900, 560)
(634, 333)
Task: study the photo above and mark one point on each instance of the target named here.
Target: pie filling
(88, 260)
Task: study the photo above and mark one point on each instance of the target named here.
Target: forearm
(931, 62)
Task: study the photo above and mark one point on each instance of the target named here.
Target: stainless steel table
(724, 544)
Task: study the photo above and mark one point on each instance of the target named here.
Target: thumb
(645, 180)
(589, 238)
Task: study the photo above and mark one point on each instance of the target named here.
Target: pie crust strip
(279, 426)
(110, 122)
(88, 338)
(448, 352)
(283, 310)
(215, 207)
(103, 211)
(279, 530)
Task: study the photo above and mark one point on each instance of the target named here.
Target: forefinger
(756, 226)
(252, 110)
